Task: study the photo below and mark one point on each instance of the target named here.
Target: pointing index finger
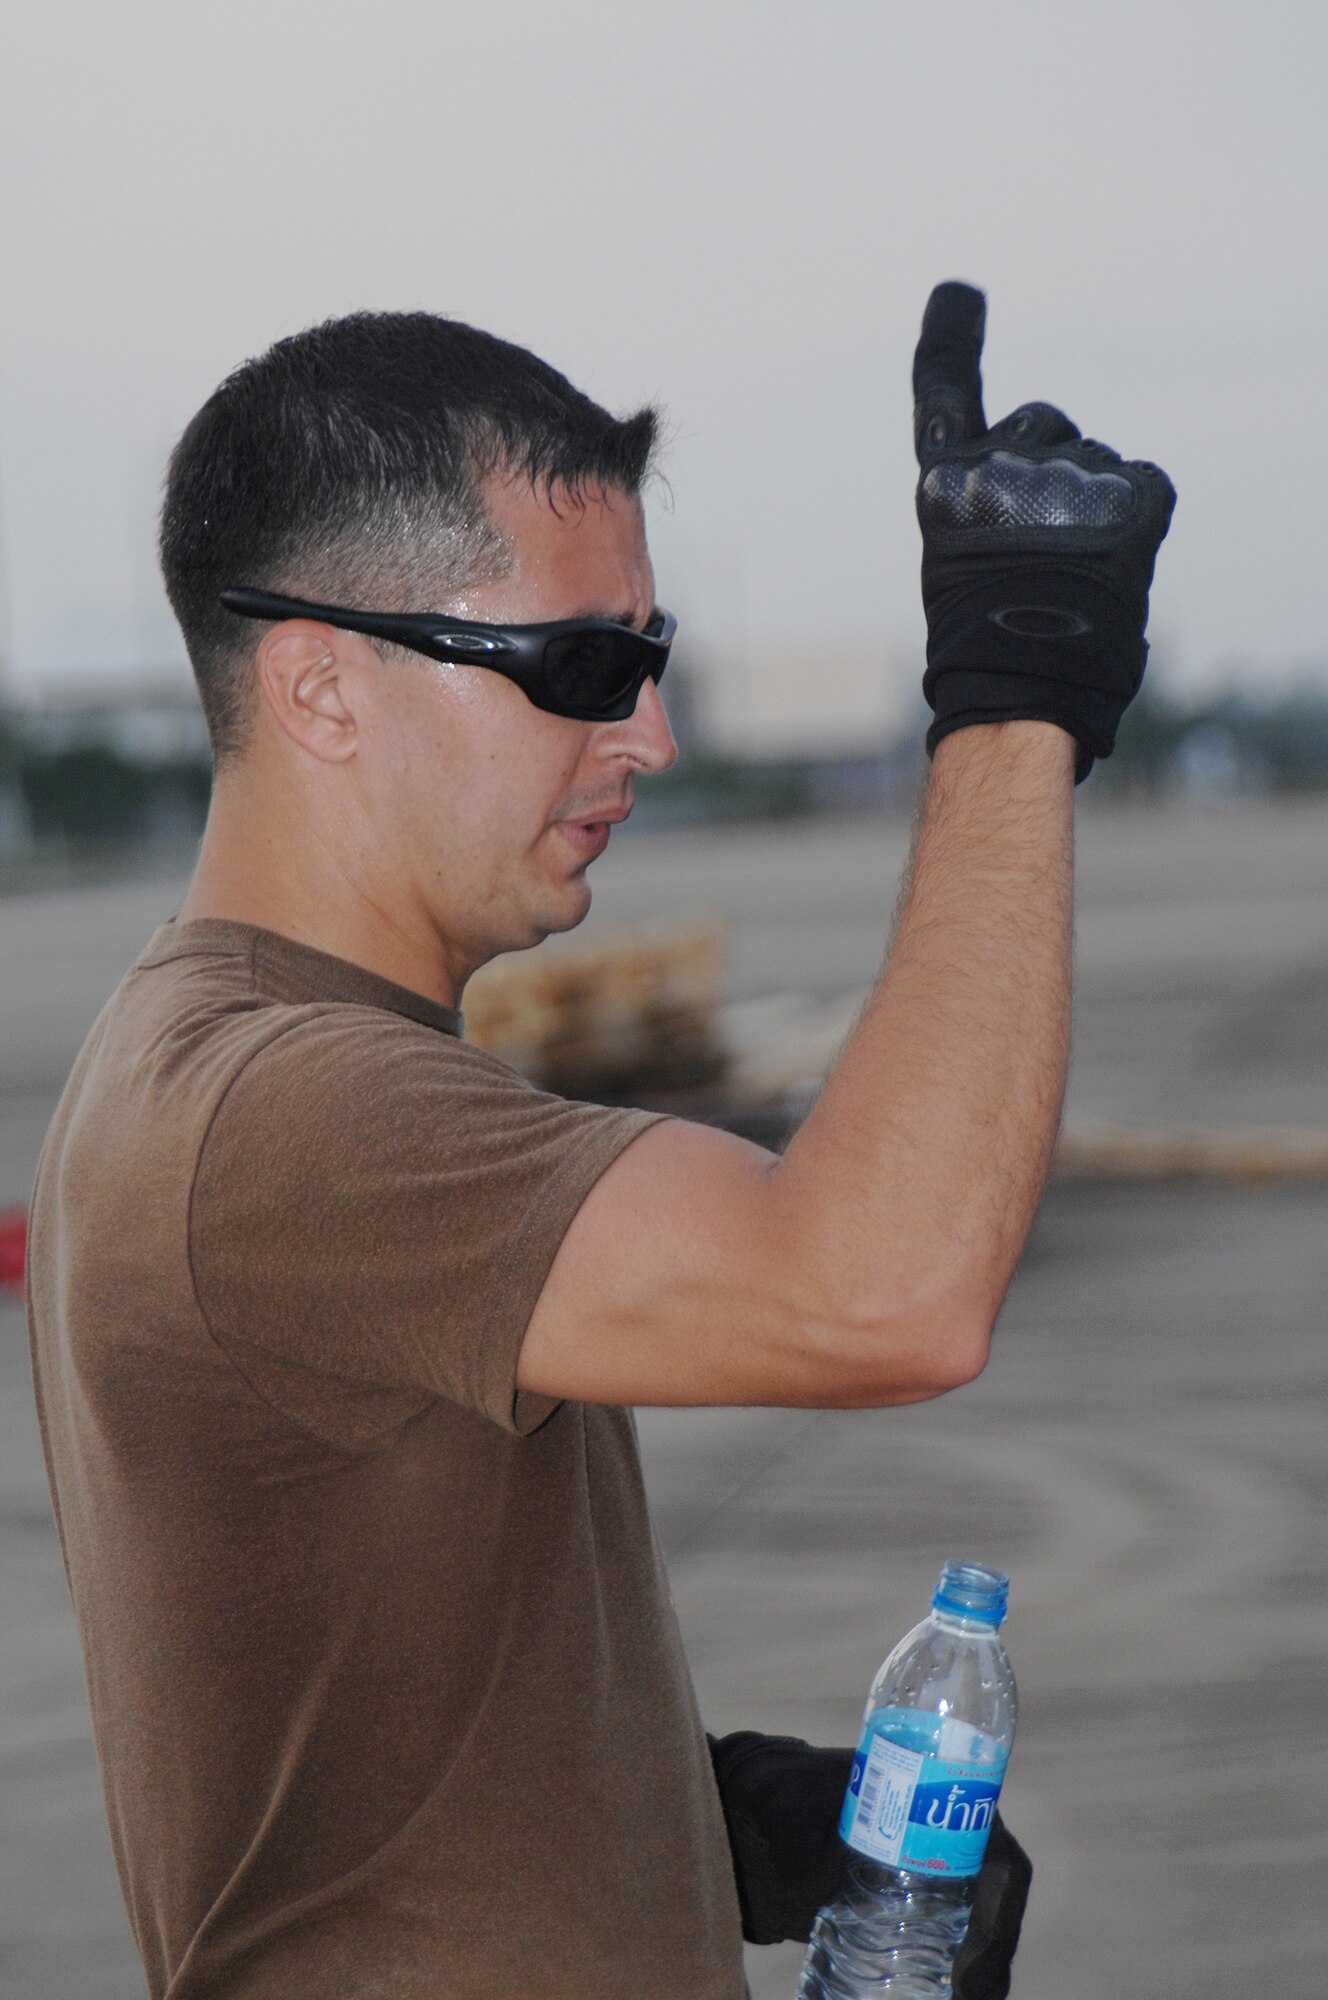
(947, 374)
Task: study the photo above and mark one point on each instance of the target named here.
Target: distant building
(822, 699)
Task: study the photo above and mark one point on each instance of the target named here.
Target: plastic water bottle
(936, 1735)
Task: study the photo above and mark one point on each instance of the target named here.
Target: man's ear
(310, 676)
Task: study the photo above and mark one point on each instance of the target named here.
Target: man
(337, 1322)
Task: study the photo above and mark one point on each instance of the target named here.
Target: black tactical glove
(1037, 550)
(782, 1801)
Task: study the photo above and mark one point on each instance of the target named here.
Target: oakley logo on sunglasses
(470, 643)
(591, 669)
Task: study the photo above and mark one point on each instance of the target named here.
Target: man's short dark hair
(347, 464)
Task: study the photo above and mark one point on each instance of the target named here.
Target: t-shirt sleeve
(375, 1209)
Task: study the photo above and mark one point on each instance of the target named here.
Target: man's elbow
(966, 1353)
(915, 1350)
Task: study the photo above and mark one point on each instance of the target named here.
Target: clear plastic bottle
(936, 1735)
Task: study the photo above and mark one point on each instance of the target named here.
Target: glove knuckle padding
(1037, 553)
(1001, 492)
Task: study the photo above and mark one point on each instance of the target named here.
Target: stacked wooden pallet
(636, 1010)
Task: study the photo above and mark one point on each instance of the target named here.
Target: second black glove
(781, 1799)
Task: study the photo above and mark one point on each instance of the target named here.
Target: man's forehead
(520, 506)
(571, 552)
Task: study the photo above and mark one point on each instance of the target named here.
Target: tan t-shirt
(387, 1687)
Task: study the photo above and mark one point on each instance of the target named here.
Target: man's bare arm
(867, 1266)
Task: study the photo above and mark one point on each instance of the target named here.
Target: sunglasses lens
(593, 670)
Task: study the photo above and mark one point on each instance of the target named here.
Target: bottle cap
(968, 1590)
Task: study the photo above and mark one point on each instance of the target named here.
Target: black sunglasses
(587, 668)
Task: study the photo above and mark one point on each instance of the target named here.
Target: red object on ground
(13, 1244)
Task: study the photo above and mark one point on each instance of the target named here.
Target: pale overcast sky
(735, 207)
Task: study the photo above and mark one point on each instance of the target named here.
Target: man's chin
(560, 909)
(572, 904)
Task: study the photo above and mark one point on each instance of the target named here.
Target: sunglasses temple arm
(270, 605)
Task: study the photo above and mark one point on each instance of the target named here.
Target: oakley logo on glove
(1039, 621)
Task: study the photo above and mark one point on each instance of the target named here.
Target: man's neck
(248, 876)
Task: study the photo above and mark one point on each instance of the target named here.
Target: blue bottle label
(928, 1812)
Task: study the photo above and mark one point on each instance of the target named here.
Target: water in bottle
(936, 1734)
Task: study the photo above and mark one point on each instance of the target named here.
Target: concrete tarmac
(1144, 1453)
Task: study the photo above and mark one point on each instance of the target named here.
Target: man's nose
(645, 735)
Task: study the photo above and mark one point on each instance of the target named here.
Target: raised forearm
(916, 1177)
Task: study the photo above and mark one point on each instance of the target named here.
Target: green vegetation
(1230, 743)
